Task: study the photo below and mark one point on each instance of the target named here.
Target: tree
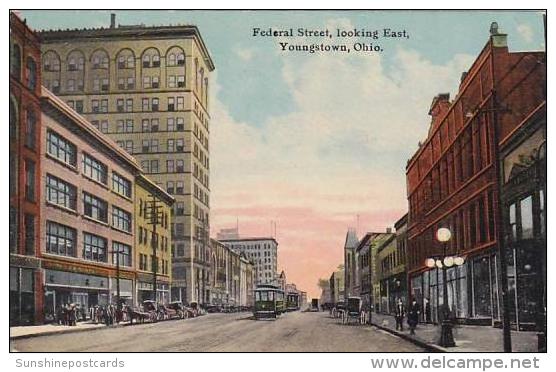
(323, 283)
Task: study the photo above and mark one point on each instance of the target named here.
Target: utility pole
(154, 221)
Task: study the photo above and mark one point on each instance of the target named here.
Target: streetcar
(292, 301)
(269, 301)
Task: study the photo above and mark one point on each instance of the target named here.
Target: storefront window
(481, 288)
(526, 209)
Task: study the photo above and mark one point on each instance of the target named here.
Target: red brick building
(453, 182)
(25, 123)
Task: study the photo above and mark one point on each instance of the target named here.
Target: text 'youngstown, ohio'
(325, 48)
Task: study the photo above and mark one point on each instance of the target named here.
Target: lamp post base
(446, 335)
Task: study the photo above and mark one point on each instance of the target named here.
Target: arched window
(31, 73)
(16, 61)
(51, 61)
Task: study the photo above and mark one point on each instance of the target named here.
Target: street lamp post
(443, 235)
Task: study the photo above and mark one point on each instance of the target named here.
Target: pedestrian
(399, 314)
(65, 313)
(72, 315)
(413, 315)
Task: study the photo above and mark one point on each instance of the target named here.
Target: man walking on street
(413, 316)
(399, 314)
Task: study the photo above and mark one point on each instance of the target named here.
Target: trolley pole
(154, 243)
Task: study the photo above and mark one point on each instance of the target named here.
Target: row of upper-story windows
(62, 240)
(65, 151)
(17, 60)
(75, 60)
(127, 105)
(172, 166)
(100, 84)
(128, 125)
(468, 155)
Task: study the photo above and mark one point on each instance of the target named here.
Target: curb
(52, 333)
(429, 347)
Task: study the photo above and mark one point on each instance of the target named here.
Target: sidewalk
(51, 329)
(468, 338)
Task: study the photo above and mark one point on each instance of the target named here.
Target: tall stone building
(263, 252)
(147, 89)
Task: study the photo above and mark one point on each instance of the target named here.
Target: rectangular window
(146, 82)
(104, 105)
(179, 166)
(121, 83)
(94, 169)
(179, 101)
(120, 105)
(30, 130)
(145, 166)
(170, 125)
(154, 145)
(130, 83)
(171, 81)
(179, 145)
(171, 145)
(60, 239)
(129, 105)
(154, 166)
(171, 104)
(121, 254)
(145, 145)
(145, 104)
(71, 85)
(121, 219)
(154, 104)
(170, 187)
(29, 234)
(119, 126)
(105, 85)
(95, 208)
(145, 125)
(104, 126)
(170, 166)
(155, 82)
(154, 125)
(179, 124)
(94, 247)
(129, 125)
(60, 192)
(95, 106)
(121, 185)
(79, 106)
(129, 146)
(30, 180)
(179, 187)
(96, 85)
(181, 81)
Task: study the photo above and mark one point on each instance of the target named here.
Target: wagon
(155, 313)
(353, 311)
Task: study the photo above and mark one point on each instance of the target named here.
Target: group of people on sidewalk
(70, 314)
(413, 311)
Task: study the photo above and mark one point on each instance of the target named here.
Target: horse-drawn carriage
(353, 311)
(338, 309)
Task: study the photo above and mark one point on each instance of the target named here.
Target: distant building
(225, 234)
(282, 281)
(350, 263)
(263, 252)
(367, 267)
(337, 286)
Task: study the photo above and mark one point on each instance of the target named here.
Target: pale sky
(313, 140)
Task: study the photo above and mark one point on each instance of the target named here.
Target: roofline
(49, 98)
(369, 235)
(247, 239)
(123, 32)
(148, 183)
(401, 221)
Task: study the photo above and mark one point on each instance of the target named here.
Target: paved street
(293, 332)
